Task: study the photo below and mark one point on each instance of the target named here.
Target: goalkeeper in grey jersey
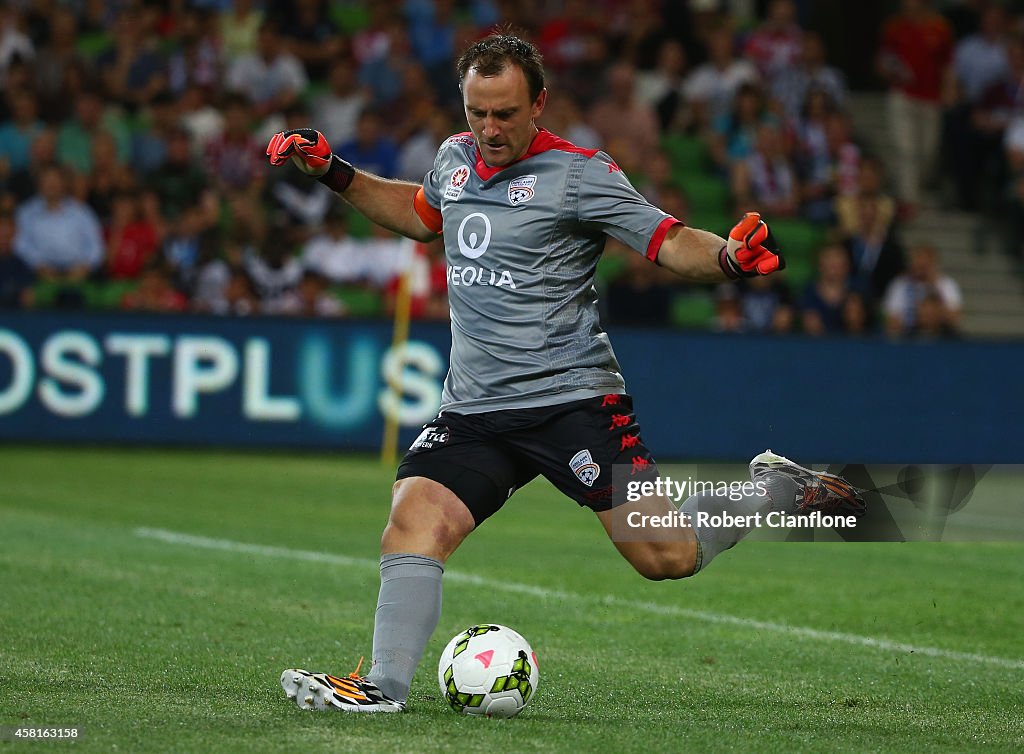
(533, 387)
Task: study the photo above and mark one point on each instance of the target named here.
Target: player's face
(501, 114)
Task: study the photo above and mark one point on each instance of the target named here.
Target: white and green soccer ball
(488, 670)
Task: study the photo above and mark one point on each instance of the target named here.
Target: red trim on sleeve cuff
(659, 237)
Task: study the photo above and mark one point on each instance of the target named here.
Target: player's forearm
(693, 254)
(387, 203)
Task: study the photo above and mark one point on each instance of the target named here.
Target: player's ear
(538, 104)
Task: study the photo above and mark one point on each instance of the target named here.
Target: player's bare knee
(425, 517)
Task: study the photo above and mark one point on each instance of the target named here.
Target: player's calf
(659, 563)
(657, 553)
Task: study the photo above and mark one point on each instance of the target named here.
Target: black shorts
(483, 458)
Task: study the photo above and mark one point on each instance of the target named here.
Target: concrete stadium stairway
(993, 291)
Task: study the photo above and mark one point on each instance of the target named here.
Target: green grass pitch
(153, 598)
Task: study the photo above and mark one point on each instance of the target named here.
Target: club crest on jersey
(457, 184)
(520, 189)
(583, 466)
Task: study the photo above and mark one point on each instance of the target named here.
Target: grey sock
(712, 540)
(408, 609)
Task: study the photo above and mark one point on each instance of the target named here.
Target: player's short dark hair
(491, 55)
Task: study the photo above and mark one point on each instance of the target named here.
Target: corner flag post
(403, 307)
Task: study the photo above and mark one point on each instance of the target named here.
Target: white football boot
(816, 490)
(321, 691)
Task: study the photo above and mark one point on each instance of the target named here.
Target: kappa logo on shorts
(457, 184)
(583, 466)
(600, 495)
(520, 189)
(430, 437)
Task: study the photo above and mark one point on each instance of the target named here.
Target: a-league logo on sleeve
(457, 184)
(521, 189)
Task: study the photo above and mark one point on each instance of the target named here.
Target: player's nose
(491, 129)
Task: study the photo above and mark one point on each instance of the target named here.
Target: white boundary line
(886, 645)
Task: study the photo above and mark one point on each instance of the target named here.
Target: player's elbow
(423, 234)
(419, 230)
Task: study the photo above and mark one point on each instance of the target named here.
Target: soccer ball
(488, 670)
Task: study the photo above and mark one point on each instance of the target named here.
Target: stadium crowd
(133, 175)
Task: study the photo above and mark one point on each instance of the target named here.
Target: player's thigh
(451, 480)
(650, 535)
(590, 450)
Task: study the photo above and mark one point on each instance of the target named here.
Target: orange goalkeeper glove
(751, 249)
(309, 150)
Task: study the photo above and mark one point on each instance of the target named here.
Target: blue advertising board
(271, 382)
(729, 397)
(206, 380)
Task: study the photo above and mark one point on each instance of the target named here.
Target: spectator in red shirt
(776, 44)
(917, 46)
(131, 238)
(428, 284)
(563, 37)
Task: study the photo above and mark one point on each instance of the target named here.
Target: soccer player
(533, 387)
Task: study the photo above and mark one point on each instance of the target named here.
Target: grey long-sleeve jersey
(522, 245)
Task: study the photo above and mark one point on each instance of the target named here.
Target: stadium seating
(693, 309)
(360, 302)
(688, 154)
